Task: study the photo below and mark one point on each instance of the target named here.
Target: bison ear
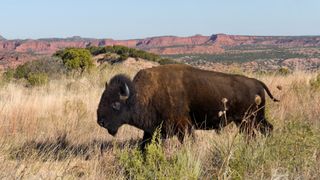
(106, 85)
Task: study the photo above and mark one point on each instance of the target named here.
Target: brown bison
(179, 98)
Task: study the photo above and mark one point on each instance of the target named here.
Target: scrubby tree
(125, 52)
(8, 75)
(52, 66)
(76, 59)
(37, 79)
(315, 83)
(283, 71)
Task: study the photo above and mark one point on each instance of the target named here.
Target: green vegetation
(76, 59)
(51, 66)
(8, 75)
(155, 164)
(36, 72)
(283, 71)
(125, 52)
(73, 61)
(293, 149)
(231, 56)
(315, 83)
(164, 61)
(37, 79)
(50, 132)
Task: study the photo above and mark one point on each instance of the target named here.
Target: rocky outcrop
(204, 49)
(13, 59)
(168, 41)
(162, 45)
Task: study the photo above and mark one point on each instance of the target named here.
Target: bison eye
(116, 105)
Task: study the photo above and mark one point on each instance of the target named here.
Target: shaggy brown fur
(179, 98)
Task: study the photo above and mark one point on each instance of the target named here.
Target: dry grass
(51, 132)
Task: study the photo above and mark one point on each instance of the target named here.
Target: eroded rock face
(167, 41)
(13, 59)
(204, 49)
(163, 45)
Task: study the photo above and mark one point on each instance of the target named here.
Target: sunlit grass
(51, 132)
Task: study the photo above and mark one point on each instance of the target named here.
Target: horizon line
(156, 36)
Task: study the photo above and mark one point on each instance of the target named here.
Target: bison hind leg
(247, 128)
(265, 127)
(251, 126)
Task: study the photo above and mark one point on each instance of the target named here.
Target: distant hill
(2, 38)
(163, 45)
(217, 44)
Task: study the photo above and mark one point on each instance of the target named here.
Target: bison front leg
(185, 129)
(146, 140)
(180, 136)
(189, 132)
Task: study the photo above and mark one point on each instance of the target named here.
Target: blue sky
(128, 19)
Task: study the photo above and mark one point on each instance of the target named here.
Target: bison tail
(268, 92)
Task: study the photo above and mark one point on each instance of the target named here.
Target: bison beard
(181, 98)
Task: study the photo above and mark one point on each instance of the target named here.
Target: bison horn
(127, 93)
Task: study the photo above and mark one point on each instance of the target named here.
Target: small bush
(291, 150)
(94, 50)
(22, 71)
(8, 75)
(123, 57)
(125, 52)
(155, 164)
(283, 71)
(315, 83)
(164, 61)
(51, 66)
(76, 59)
(37, 79)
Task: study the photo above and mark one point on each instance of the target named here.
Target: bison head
(114, 106)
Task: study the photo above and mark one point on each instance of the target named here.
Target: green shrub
(52, 66)
(94, 50)
(155, 164)
(291, 150)
(37, 79)
(164, 61)
(315, 83)
(123, 57)
(283, 71)
(125, 52)
(240, 56)
(8, 75)
(76, 59)
(22, 71)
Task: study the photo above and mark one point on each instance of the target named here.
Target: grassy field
(50, 132)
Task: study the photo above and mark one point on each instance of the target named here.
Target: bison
(179, 98)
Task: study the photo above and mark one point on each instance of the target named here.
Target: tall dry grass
(51, 132)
